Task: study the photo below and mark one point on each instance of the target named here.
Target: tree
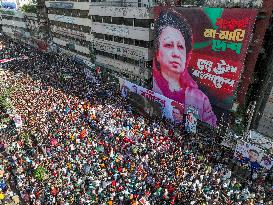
(5, 102)
(40, 173)
(29, 8)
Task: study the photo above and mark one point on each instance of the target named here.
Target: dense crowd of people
(81, 143)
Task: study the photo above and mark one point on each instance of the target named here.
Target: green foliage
(40, 173)
(5, 121)
(5, 103)
(26, 137)
(29, 8)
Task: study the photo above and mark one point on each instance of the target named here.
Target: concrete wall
(69, 19)
(68, 4)
(125, 12)
(80, 48)
(130, 51)
(138, 33)
(120, 66)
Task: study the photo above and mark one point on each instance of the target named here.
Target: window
(83, 14)
(128, 22)
(97, 19)
(108, 37)
(73, 13)
(109, 55)
(144, 23)
(144, 44)
(86, 29)
(118, 39)
(129, 41)
(148, 64)
(107, 19)
(98, 35)
(98, 52)
(150, 44)
(131, 61)
(117, 20)
(118, 57)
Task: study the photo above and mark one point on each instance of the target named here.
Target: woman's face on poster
(177, 115)
(171, 54)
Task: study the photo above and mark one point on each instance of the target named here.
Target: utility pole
(250, 113)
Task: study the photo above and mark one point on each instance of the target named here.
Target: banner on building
(252, 155)
(6, 60)
(61, 5)
(199, 56)
(152, 103)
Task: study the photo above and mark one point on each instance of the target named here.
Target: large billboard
(252, 155)
(199, 56)
(151, 103)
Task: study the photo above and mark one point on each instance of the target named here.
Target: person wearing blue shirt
(252, 159)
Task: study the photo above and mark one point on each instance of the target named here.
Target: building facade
(265, 121)
(123, 38)
(24, 27)
(14, 24)
(115, 35)
(69, 24)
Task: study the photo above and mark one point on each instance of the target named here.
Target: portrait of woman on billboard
(171, 78)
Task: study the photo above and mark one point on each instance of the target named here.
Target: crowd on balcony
(81, 143)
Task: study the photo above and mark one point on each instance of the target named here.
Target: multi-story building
(69, 23)
(36, 37)
(14, 24)
(123, 37)
(23, 26)
(262, 87)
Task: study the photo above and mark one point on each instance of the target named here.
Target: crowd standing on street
(81, 143)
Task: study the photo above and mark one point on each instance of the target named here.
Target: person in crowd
(75, 148)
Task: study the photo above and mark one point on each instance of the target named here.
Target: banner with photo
(152, 103)
(199, 56)
(191, 120)
(254, 156)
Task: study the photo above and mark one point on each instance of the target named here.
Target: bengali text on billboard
(199, 56)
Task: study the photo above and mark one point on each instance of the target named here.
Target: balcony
(125, 12)
(7, 30)
(122, 67)
(72, 33)
(76, 47)
(14, 23)
(130, 51)
(74, 55)
(70, 19)
(68, 5)
(138, 33)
